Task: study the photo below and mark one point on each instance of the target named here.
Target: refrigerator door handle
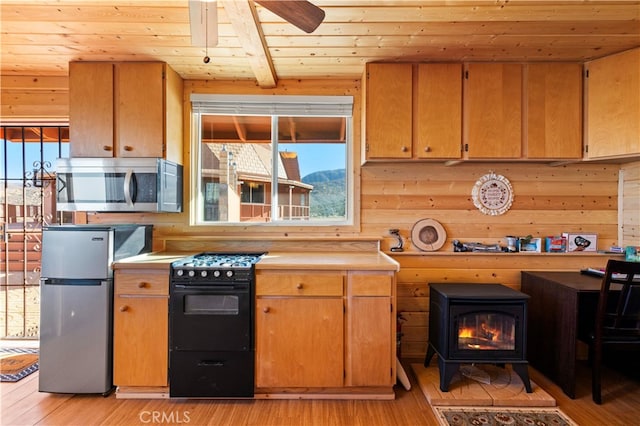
(72, 281)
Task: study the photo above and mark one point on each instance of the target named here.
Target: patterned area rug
(499, 416)
(17, 363)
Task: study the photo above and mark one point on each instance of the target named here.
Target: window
(272, 159)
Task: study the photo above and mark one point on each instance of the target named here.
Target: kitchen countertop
(370, 261)
(155, 260)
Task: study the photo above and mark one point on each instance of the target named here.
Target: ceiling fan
(203, 17)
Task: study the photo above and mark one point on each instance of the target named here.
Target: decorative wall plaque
(492, 194)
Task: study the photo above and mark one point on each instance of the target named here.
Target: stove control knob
(203, 274)
(179, 272)
(229, 274)
(192, 273)
(216, 274)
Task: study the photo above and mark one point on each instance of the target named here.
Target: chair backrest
(618, 315)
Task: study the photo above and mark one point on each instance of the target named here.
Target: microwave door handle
(128, 177)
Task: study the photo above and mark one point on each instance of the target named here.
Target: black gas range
(212, 268)
(211, 325)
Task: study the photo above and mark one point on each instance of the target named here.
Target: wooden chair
(617, 323)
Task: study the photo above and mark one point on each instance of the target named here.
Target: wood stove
(477, 323)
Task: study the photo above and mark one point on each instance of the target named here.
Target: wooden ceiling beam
(244, 20)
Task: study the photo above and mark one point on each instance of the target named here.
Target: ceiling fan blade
(203, 21)
(301, 13)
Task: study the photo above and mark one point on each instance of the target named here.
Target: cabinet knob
(124, 308)
(128, 148)
(265, 309)
(427, 149)
(404, 149)
(299, 286)
(107, 148)
(142, 284)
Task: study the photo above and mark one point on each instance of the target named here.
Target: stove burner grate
(220, 260)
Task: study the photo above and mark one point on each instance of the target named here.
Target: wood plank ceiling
(40, 37)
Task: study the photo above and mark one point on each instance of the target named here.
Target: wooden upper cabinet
(438, 115)
(140, 109)
(553, 110)
(91, 123)
(613, 105)
(413, 111)
(389, 111)
(137, 111)
(493, 110)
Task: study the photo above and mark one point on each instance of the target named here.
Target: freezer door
(76, 253)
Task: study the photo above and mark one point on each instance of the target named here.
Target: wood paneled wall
(630, 204)
(547, 201)
(34, 99)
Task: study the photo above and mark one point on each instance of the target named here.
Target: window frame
(275, 107)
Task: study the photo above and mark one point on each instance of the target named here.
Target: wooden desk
(562, 311)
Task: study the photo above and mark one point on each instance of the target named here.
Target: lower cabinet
(299, 342)
(370, 349)
(140, 328)
(325, 329)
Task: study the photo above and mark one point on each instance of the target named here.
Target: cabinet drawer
(299, 285)
(142, 282)
(369, 285)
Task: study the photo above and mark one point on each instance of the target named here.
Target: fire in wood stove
(486, 332)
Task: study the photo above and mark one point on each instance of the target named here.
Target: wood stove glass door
(486, 331)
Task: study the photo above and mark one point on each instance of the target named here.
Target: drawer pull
(299, 286)
(266, 309)
(124, 308)
(142, 284)
(106, 148)
(128, 148)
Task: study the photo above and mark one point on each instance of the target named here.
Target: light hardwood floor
(22, 404)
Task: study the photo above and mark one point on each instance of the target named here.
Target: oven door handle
(209, 290)
(211, 363)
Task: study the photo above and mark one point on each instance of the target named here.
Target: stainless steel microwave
(118, 185)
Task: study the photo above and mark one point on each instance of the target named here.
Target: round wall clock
(492, 194)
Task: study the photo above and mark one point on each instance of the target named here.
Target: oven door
(215, 317)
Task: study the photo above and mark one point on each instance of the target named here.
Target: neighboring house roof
(290, 162)
(253, 162)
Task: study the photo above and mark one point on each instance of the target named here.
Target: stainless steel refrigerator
(76, 302)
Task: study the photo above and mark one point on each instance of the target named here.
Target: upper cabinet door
(554, 110)
(493, 110)
(125, 109)
(388, 111)
(91, 109)
(613, 105)
(140, 109)
(438, 115)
